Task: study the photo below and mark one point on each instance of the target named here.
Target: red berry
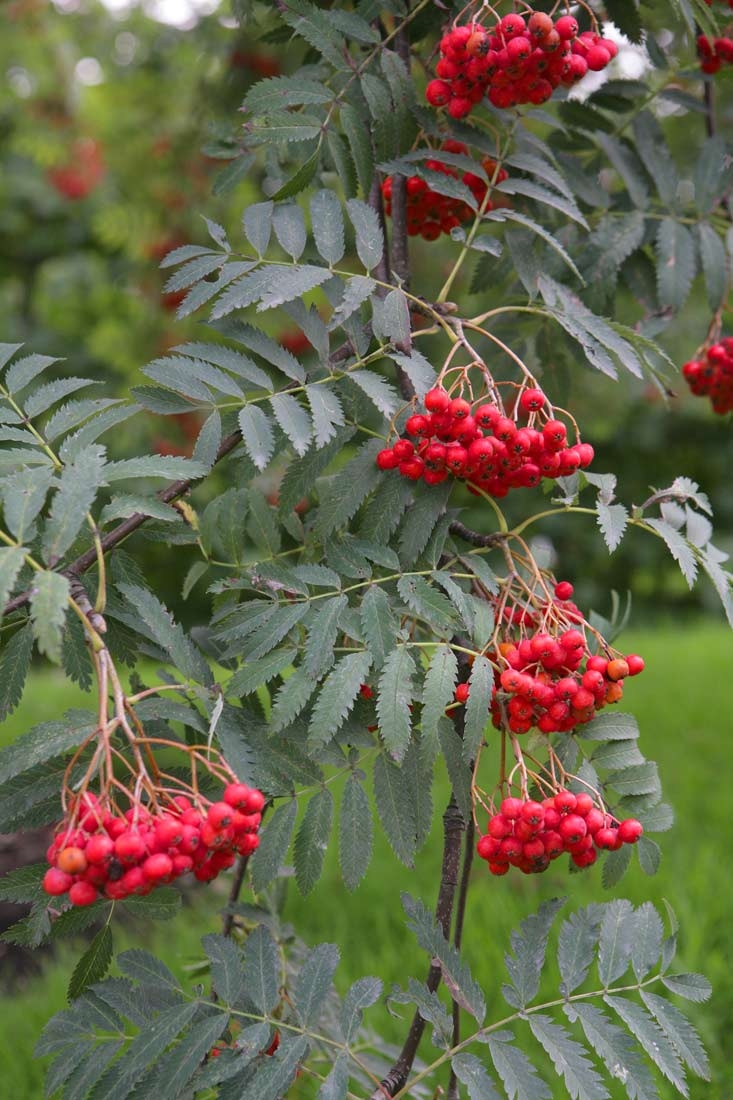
(461, 693)
(635, 663)
(630, 830)
(56, 882)
(572, 828)
(219, 815)
(566, 27)
(130, 848)
(564, 590)
(83, 893)
(157, 867)
(387, 459)
(437, 400)
(438, 93)
(99, 848)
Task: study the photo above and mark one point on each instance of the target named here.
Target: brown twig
(475, 537)
(468, 850)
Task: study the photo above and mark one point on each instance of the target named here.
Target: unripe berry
(617, 669)
(72, 861)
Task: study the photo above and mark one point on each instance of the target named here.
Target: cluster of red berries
(103, 854)
(517, 61)
(481, 445)
(429, 213)
(529, 835)
(714, 52)
(550, 681)
(713, 376)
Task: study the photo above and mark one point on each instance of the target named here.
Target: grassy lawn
(682, 707)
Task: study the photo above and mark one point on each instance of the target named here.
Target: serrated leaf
(438, 690)
(369, 236)
(287, 126)
(615, 943)
(291, 698)
(289, 226)
(517, 1073)
(77, 491)
(430, 1007)
(90, 1070)
(646, 947)
(143, 967)
(481, 682)
(335, 1085)
(262, 971)
(175, 1069)
(712, 174)
(611, 726)
(356, 832)
(577, 945)
(471, 1071)
(391, 318)
(652, 1040)
(378, 623)
(164, 904)
(286, 283)
(383, 396)
(23, 495)
(357, 290)
(394, 809)
(327, 413)
(322, 633)
(363, 993)
(395, 695)
(676, 263)
(294, 421)
(171, 469)
(714, 262)
(344, 495)
(529, 944)
(615, 866)
(257, 435)
(418, 370)
(617, 1051)
(612, 520)
(693, 987)
(650, 855)
(337, 696)
(539, 230)
(428, 603)
(93, 964)
(313, 983)
(420, 522)
(49, 601)
(624, 160)
(274, 843)
(257, 218)
(278, 92)
(327, 223)
(167, 633)
(456, 975)
(274, 631)
(311, 840)
(358, 138)
(569, 1059)
(11, 562)
(543, 195)
(118, 1081)
(226, 965)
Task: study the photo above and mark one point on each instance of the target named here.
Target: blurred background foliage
(118, 131)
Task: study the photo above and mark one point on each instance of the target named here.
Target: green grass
(682, 706)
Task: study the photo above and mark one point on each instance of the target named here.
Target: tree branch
(453, 826)
(468, 850)
(475, 537)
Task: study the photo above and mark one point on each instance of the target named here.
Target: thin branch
(475, 537)
(468, 850)
(237, 880)
(375, 201)
(453, 826)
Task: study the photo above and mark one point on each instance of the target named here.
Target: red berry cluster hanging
(714, 52)
(99, 853)
(480, 444)
(530, 835)
(713, 376)
(428, 212)
(516, 61)
(548, 678)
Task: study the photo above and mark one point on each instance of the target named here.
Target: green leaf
(335, 1085)
(90, 1069)
(291, 698)
(438, 690)
(313, 983)
(327, 413)
(611, 726)
(534, 227)
(7, 351)
(322, 633)
(615, 866)
(378, 623)
(357, 290)
(616, 1049)
(569, 1059)
(676, 263)
(712, 255)
(430, 1007)
(175, 1069)
(611, 243)
(391, 318)
(517, 1073)
(577, 945)
(624, 160)
(646, 945)
(262, 969)
(311, 840)
(337, 696)
(287, 126)
(294, 421)
(274, 843)
(650, 855)
(428, 603)
(285, 284)
(383, 396)
(38, 401)
(355, 834)
(164, 904)
(226, 965)
(327, 223)
(420, 522)
(369, 236)
(120, 1079)
(343, 495)
(357, 136)
(143, 967)
(274, 631)
(363, 993)
(171, 469)
(655, 156)
(481, 682)
(694, 987)
(612, 520)
(652, 1040)
(471, 1071)
(529, 944)
(78, 487)
(11, 562)
(166, 633)
(457, 977)
(289, 226)
(49, 600)
(394, 809)
(23, 495)
(44, 742)
(93, 964)
(543, 195)
(418, 370)
(278, 92)
(712, 175)
(275, 1074)
(257, 218)
(615, 942)
(393, 701)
